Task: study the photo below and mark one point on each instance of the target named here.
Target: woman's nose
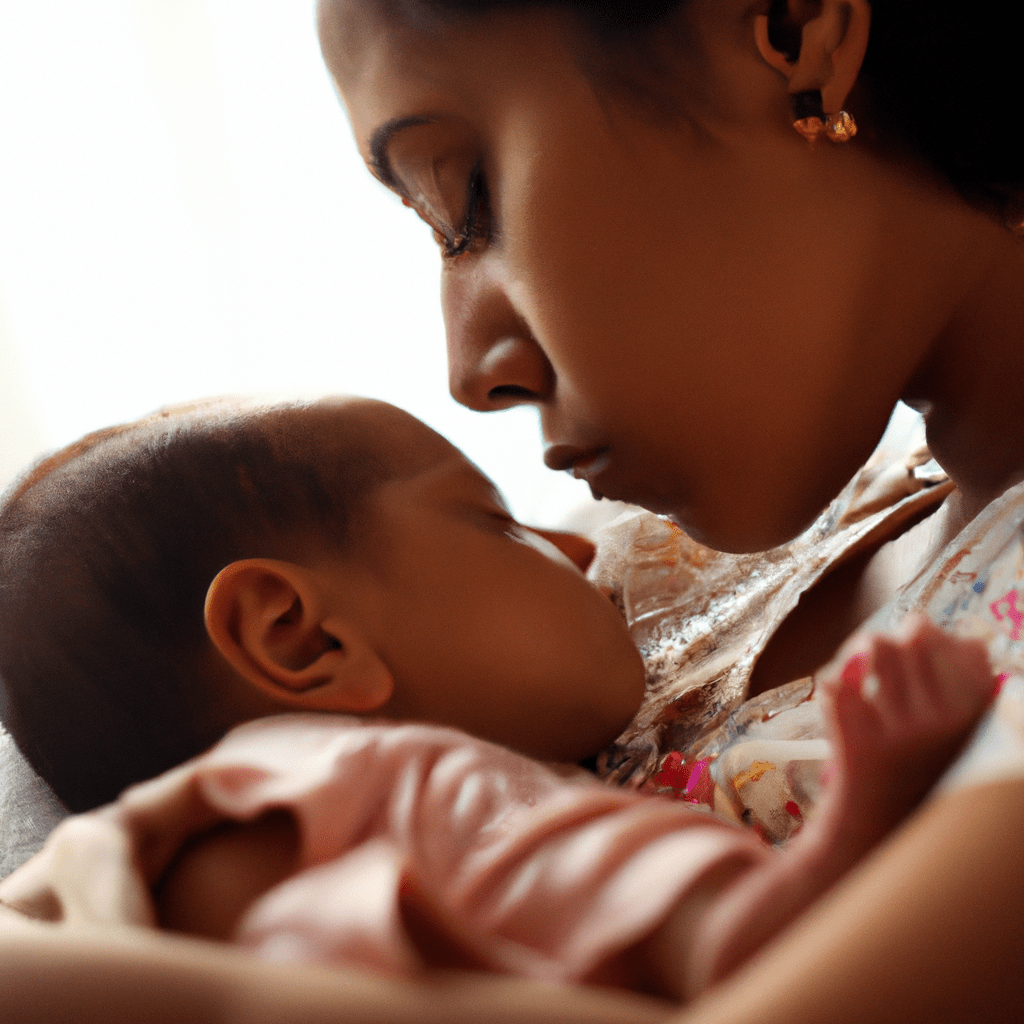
(493, 359)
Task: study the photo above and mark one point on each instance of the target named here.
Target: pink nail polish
(854, 670)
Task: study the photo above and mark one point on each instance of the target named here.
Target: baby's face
(486, 625)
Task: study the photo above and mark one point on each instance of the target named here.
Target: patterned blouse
(702, 618)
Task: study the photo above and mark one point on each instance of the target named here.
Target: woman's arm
(930, 928)
(99, 976)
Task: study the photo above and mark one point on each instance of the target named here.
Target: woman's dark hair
(945, 78)
(610, 20)
(106, 553)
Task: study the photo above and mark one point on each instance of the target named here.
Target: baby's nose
(577, 549)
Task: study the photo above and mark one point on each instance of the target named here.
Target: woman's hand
(89, 975)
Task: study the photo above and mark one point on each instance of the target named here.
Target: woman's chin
(739, 534)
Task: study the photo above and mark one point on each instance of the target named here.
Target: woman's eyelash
(477, 224)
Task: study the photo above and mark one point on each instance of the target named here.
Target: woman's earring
(811, 121)
(840, 127)
(808, 114)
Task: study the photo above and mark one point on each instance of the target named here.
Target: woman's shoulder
(974, 588)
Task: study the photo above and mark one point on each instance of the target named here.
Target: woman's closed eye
(476, 225)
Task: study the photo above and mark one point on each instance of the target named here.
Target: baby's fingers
(955, 672)
(921, 679)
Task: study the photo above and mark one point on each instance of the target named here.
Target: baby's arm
(898, 711)
(218, 875)
(524, 856)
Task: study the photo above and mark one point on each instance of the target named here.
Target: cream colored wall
(22, 434)
(183, 213)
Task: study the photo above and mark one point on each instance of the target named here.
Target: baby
(167, 581)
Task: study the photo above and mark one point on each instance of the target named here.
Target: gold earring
(840, 127)
(811, 121)
(808, 114)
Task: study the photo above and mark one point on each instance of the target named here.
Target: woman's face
(694, 301)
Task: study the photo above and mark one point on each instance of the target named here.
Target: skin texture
(725, 315)
(913, 294)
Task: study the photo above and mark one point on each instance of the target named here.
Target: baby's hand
(899, 709)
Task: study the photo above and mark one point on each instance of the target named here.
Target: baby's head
(163, 581)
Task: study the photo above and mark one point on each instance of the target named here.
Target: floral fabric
(702, 618)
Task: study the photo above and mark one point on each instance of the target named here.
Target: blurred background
(183, 213)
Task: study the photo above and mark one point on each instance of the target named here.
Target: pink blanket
(541, 873)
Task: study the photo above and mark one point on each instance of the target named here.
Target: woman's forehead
(379, 71)
(386, 68)
(356, 36)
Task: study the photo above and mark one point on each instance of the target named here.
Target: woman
(714, 319)
(714, 316)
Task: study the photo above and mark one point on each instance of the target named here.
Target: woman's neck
(968, 388)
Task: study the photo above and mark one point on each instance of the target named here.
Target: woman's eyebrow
(381, 139)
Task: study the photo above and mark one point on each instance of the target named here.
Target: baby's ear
(273, 623)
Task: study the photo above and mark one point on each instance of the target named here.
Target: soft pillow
(28, 808)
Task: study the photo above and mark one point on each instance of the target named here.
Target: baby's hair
(107, 549)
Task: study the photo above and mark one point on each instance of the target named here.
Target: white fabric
(28, 809)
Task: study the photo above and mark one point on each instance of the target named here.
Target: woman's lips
(583, 463)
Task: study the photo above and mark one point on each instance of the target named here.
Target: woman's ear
(273, 624)
(816, 45)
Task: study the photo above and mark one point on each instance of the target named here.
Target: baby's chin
(588, 761)
(602, 733)
(571, 748)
